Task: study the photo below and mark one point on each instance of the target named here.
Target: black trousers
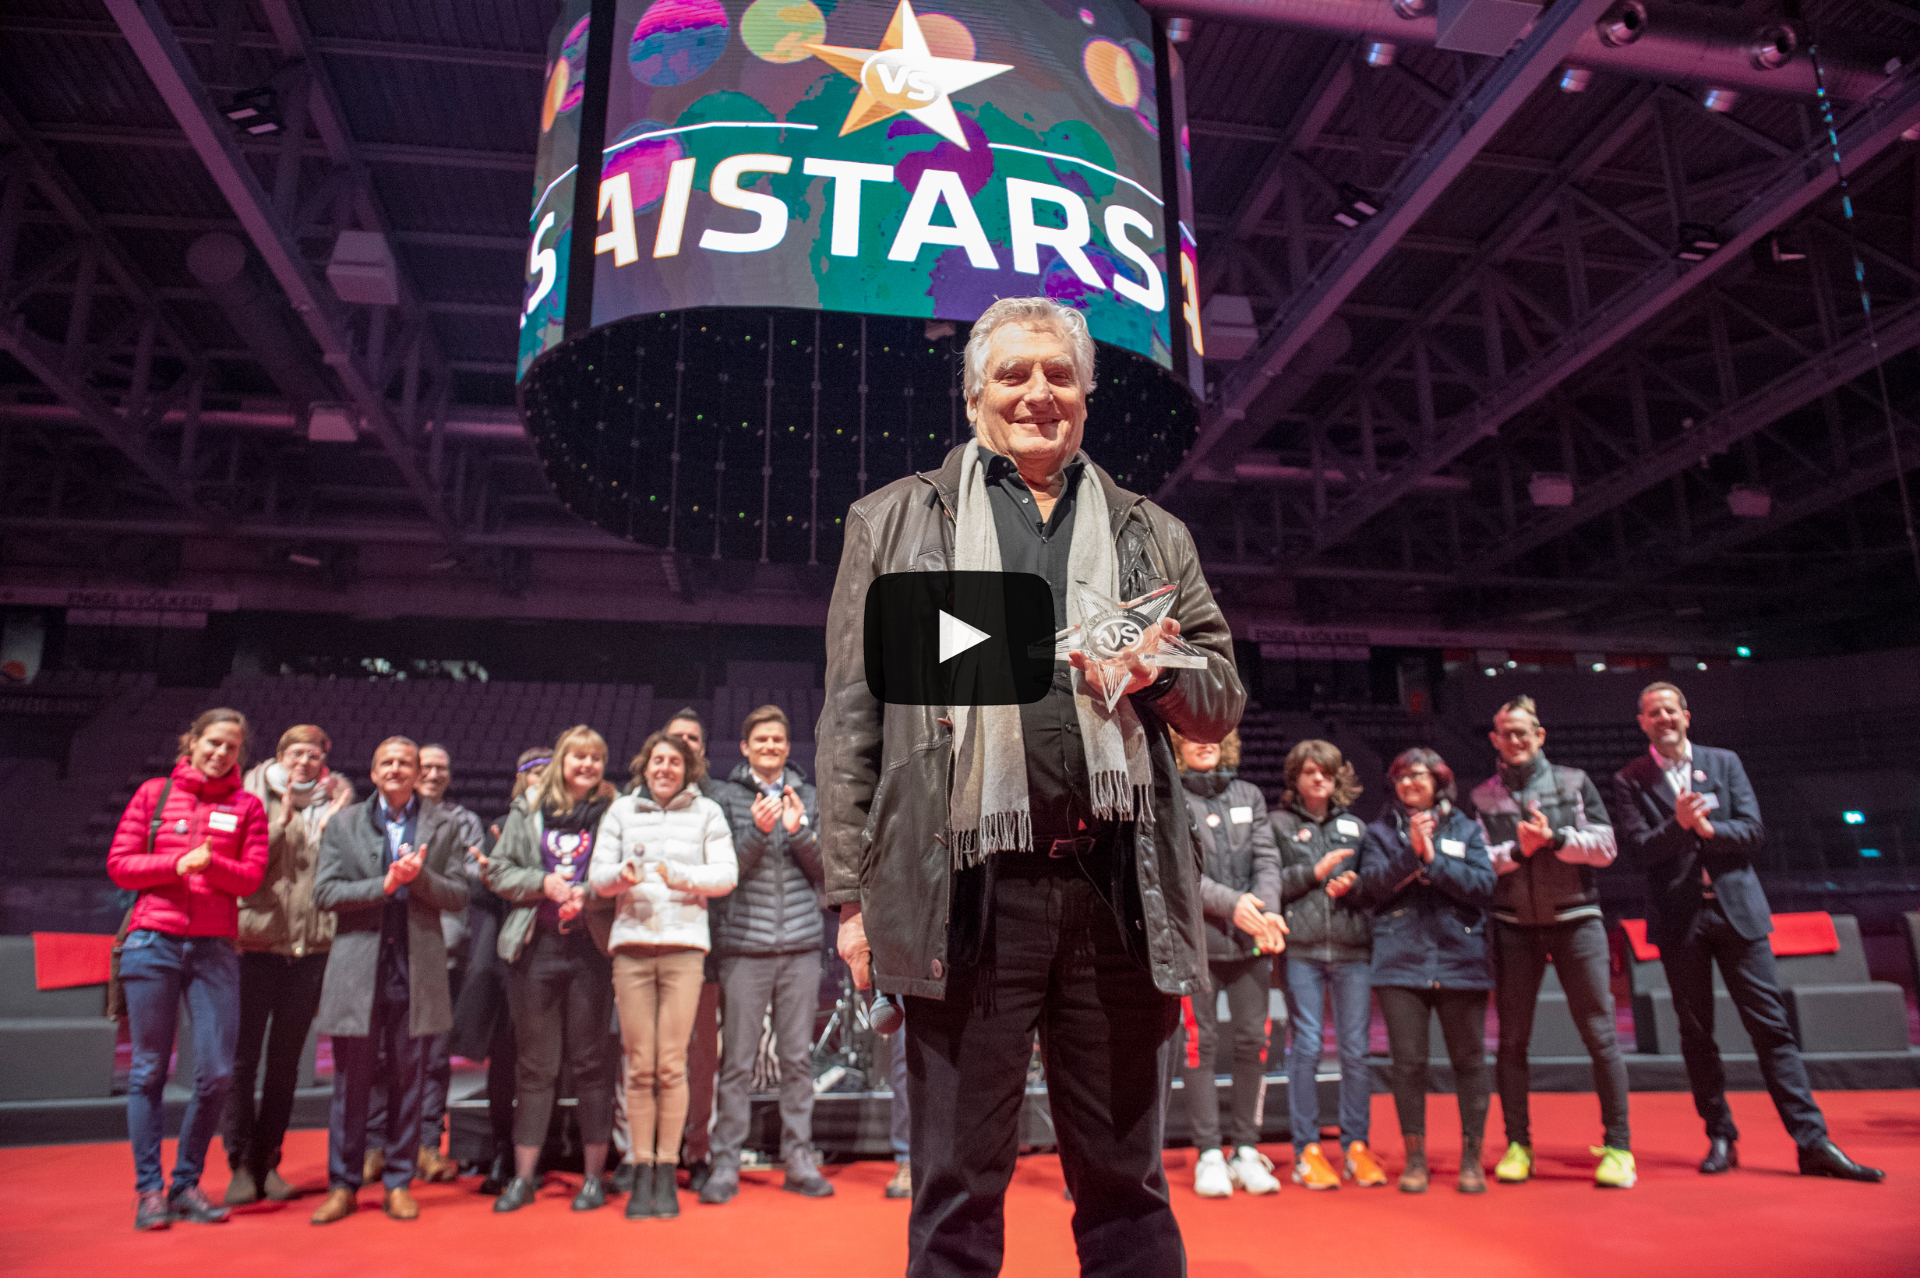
(279, 997)
(1246, 982)
(561, 995)
(1463, 1023)
(1747, 968)
(1580, 957)
(1051, 959)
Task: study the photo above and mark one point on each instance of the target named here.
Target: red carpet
(69, 1210)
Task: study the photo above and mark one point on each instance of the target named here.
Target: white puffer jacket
(690, 835)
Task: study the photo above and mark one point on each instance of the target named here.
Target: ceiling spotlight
(1771, 253)
(256, 111)
(1773, 48)
(1911, 135)
(1699, 665)
(1697, 241)
(1599, 667)
(1719, 100)
(1491, 672)
(1380, 53)
(1575, 80)
(1741, 650)
(304, 558)
(1622, 24)
(1355, 206)
(1749, 501)
(1179, 30)
(1550, 488)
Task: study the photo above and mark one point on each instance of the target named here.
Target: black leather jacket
(883, 769)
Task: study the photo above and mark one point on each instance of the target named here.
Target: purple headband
(533, 763)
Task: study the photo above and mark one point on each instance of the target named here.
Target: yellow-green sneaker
(1516, 1165)
(1616, 1170)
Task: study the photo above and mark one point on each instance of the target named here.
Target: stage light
(1380, 53)
(1742, 651)
(1870, 853)
(1911, 135)
(1179, 30)
(1355, 206)
(1854, 818)
(256, 111)
(1599, 667)
(1623, 24)
(1491, 672)
(1575, 80)
(1697, 241)
(1719, 101)
(1773, 48)
(304, 559)
(1749, 501)
(1550, 488)
(1699, 665)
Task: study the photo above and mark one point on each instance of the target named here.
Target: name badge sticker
(225, 822)
(1241, 816)
(1347, 825)
(1454, 847)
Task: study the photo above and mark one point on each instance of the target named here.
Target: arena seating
(54, 1044)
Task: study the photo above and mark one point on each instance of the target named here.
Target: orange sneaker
(1314, 1171)
(1363, 1168)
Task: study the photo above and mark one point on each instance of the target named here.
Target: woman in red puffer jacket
(191, 844)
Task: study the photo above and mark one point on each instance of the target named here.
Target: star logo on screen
(903, 76)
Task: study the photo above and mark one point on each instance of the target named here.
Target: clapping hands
(1420, 833)
(1691, 812)
(405, 868)
(1268, 930)
(1533, 833)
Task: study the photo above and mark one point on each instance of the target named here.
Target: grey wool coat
(353, 854)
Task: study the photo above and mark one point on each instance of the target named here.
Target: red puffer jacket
(218, 813)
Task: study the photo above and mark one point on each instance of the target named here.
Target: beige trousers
(656, 990)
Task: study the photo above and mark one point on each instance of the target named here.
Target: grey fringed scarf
(989, 806)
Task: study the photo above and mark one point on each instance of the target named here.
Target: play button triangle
(956, 636)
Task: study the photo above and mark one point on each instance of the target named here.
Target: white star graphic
(903, 77)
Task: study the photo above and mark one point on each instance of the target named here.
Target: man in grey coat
(388, 867)
(767, 936)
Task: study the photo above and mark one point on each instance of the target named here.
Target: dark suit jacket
(353, 853)
(1673, 856)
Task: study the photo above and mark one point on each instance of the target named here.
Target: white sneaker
(1253, 1171)
(1211, 1179)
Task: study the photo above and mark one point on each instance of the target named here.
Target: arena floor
(68, 1210)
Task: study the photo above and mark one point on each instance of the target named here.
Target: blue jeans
(1309, 981)
(901, 1134)
(157, 969)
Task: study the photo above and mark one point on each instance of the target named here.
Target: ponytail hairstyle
(206, 720)
(553, 796)
(528, 774)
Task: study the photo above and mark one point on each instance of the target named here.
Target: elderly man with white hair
(1033, 868)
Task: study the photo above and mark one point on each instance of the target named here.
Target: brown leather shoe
(338, 1205)
(435, 1167)
(372, 1165)
(400, 1205)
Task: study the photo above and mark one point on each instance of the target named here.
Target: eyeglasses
(1413, 774)
(306, 754)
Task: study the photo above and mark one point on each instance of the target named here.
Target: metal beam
(398, 50)
(1803, 179)
(1448, 146)
(173, 74)
(397, 153)
(1822, 371)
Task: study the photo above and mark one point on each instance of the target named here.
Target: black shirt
(1057, 788)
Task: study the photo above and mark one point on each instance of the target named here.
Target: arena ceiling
(1501, 400)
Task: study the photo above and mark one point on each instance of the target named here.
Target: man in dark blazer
(1687, 814)
(388, 867)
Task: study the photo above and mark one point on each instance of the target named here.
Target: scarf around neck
(989, 807)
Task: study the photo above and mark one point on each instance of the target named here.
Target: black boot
(640, 1201)
(666, 1192)
(1722, 1155)
(499, 1173)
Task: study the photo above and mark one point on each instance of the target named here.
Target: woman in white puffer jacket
(663, 849)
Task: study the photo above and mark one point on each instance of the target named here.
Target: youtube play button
(957, 638)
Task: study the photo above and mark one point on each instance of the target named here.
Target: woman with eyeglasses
(284, 941)
(1424, 873)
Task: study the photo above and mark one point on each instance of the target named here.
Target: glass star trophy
(1110, 632)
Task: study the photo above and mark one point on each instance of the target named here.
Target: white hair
(1039, 312)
